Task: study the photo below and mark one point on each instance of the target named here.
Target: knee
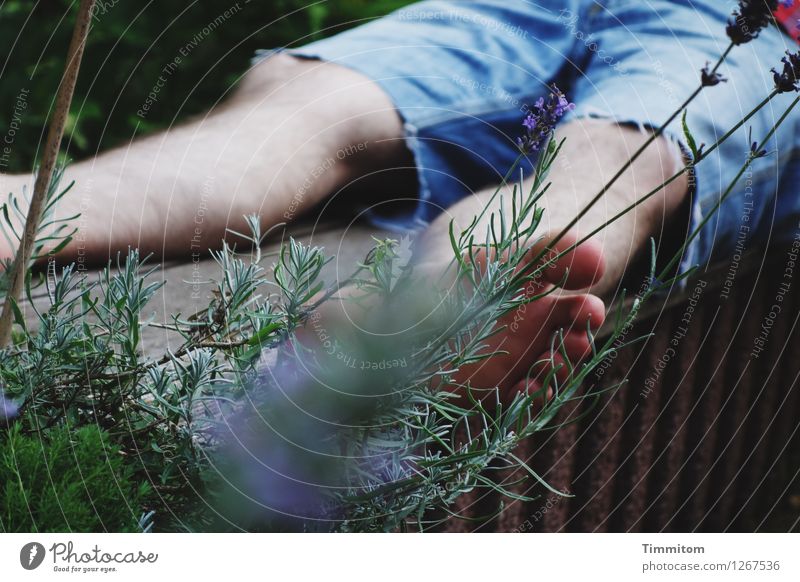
(657, 163)
(273, 73)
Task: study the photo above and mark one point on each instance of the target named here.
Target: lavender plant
(249, 425)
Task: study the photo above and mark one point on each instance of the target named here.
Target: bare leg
(594, 151)
(292, 133)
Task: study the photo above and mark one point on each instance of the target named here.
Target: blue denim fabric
(461, 72)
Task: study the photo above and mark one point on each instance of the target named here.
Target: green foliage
(79, 362)
(129, 46)
(67, 481)
(54, 232)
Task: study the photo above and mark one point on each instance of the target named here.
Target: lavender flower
(750, 18)
(286, 461)
(709, 78)
(8, 409)
(789, 78)
(542, 119)
(274, 456)
(756, 151)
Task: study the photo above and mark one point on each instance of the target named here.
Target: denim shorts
(462, 72)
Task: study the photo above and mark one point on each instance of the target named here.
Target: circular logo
(31, 555)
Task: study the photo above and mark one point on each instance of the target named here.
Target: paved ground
(187, 286)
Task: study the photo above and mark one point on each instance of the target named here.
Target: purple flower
(789, 78)
(709, 78)
(274, 455)
(540, 123)
(749, 19)
(563, 105)
(8, 409)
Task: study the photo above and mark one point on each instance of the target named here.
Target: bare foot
(527, 338)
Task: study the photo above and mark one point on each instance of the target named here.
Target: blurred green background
(129, 46)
